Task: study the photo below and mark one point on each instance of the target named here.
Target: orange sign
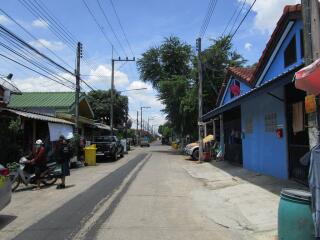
(310, 104)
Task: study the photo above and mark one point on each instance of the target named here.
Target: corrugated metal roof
(38, 116)
(43, 100)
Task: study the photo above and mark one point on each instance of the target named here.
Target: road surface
(146, 195)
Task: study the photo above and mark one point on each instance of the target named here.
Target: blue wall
(277, 66)
(263, 151)
(243, 89)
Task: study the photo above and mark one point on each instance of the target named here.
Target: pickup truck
(108, 147)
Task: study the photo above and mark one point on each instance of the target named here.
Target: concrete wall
(227, 97)
(263, 151)
(277, 66)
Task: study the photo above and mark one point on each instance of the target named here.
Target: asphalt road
(66, 221)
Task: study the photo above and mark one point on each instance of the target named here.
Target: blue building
(261, 114)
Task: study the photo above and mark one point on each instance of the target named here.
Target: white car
(192, 150)
(5, 187)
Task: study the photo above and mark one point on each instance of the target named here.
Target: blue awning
(274, 83)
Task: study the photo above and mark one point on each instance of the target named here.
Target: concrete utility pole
(112, 86)
(77, 93)
(200, 100)
(137, 132)
(311, 39)
(141, 128)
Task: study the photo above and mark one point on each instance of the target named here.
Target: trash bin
(90, 155)
(294, 215)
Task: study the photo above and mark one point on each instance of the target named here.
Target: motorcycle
(24, 173)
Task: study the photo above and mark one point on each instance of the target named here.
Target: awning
(269, 86)
(102, 126)
(37, 116)
(307, 79)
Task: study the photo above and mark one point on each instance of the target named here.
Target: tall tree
(216, 59)
(100, 102)
(168, 68)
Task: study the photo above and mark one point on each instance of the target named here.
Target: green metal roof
(43, 100)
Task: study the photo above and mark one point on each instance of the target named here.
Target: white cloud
(40, 23)
(53, 45)
(4, 19)
(248, 46)
(147, 98)
(268, 13)
(39, 84)
(102, 75)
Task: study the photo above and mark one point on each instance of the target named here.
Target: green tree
(168, 68)
(216, 59)
(100, 102)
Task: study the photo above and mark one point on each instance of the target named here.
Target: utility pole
(112, 85)
(77, 93)
(137, 132)
(141, 119)
(311, 39)
(200, 100)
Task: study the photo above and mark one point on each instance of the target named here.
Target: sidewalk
(238, 199)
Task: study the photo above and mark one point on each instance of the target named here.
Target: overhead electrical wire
(99, 26)
(208, 16)
(110, 25)
(121, 27)
(230, 20)
(53, 25)
(31, 69)
(237, 17)
(33, 37)
(242, 20)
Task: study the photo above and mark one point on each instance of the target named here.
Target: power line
(99, 26)
(236, 19)
(33, 37)
(31, 69)
(18, 39)
(112, 30)
(234, 33)
(233, 14)
(52, 28)
(207, 18)
(121, 27)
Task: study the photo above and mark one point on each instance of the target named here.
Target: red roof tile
(290, 12)
(243, 74)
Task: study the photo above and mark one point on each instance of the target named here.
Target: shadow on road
(6, 220)
(170, 152)
(268, 183)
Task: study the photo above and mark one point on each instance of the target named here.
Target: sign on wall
(270, 121)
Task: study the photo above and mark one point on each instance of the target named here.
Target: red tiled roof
(290, 12)
(243, 74)
(251, 75)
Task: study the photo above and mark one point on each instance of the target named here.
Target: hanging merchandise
(310, 104)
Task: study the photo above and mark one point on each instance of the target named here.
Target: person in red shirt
(39, 160)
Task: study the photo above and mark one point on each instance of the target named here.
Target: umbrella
(308, 78)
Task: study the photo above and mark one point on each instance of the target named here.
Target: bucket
(90, 155)
(294, 215)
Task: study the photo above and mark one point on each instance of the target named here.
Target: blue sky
(146, 23)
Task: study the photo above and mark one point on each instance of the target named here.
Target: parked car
(108, 147)
(144, 142)
(5, 187)
(192, 150)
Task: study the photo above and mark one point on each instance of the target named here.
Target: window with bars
(270, 122)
